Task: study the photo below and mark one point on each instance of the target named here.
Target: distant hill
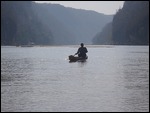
(46, 24)
(105, 36)
(61, 34)
(130, 26)
(83, 24)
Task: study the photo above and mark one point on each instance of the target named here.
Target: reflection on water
(114, 78)
(82, 64)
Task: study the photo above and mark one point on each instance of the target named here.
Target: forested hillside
(23, 22)
(20, 25)
(130, 25)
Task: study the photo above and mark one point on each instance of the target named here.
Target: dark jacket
(82, 52)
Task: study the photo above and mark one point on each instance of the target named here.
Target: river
(41, 79)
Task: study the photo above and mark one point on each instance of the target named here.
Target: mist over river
(113, 79)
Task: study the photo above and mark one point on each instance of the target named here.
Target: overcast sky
(106, 7)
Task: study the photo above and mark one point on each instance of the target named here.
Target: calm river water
(113, 79)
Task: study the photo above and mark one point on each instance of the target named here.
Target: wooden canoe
(75, 59)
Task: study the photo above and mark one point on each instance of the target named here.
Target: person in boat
(82, 51)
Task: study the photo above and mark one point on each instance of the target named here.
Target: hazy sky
(106, 7)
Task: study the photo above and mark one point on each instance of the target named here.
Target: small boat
(77, 59)
(26, 45)
(30, 44)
